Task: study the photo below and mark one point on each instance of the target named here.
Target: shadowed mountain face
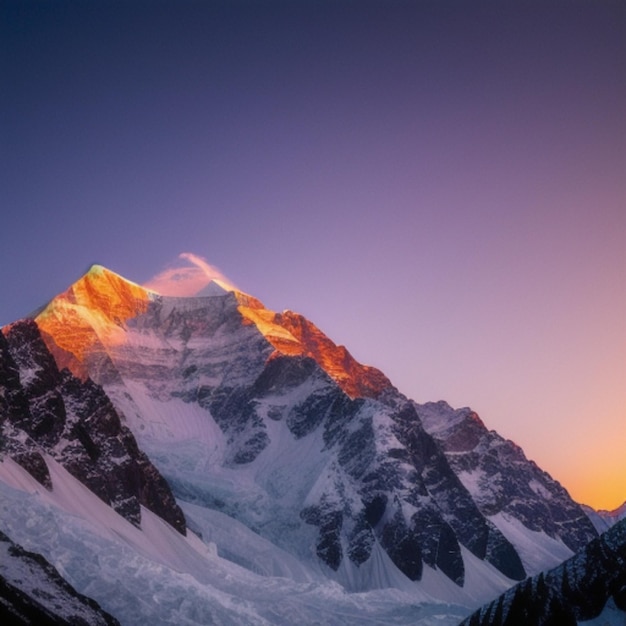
(501, 479)
(328, 446)
(44, 411)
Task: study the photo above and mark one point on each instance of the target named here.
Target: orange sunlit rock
(89, 316)
(293, 334)
(278, 336)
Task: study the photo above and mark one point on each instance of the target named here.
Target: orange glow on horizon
(596, 478)
(603, 499)
(601, 486)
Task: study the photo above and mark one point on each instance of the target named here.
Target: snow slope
(33, 592)
(155, 575)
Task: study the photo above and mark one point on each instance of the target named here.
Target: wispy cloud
(186, 277)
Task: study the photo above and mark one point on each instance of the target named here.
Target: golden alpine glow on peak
(117, 298)
(92, 311)
(292, 334)
(90, 318)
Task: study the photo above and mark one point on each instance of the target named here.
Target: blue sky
(437, 185)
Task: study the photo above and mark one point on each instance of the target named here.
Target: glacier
(155, 575)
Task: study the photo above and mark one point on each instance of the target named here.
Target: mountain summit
(91, 315)
(289, 460)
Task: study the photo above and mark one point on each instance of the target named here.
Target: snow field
(155, 575)
(537, 550)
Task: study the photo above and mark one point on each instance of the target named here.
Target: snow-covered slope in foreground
(33, 592)
(155, 575)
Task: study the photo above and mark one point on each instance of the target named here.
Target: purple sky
(440, 186)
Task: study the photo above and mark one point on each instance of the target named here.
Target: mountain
(302, 471)
(510, 490)
(589, 585)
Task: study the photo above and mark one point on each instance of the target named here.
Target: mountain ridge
(101, 301)
(290, 336)
(258, 417)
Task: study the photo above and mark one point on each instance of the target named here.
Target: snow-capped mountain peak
(282, 450)
(215, 288)
(90, 314)
(93, 315)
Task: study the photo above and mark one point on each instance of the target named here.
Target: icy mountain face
(502, 481)
(33, 592)
(284, 412)
(590, 585)
(258, 415)
(47, 411)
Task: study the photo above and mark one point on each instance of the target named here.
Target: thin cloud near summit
(186, 277)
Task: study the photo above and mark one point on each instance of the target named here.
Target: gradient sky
(440, 186)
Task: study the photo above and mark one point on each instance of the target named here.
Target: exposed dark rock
(34, 464)
(374, 509)
(361, 540)
(330, 522)
(74, 422)
(358, 450)
(505, 480)
(439, 546)
(284, 372)
(402, 546)
(234, 411)
(461, 513)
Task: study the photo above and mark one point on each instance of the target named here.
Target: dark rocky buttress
(47, 411)
(387, 481)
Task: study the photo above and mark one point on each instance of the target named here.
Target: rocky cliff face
(500, 477)
(321, 443)
(45, 411)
